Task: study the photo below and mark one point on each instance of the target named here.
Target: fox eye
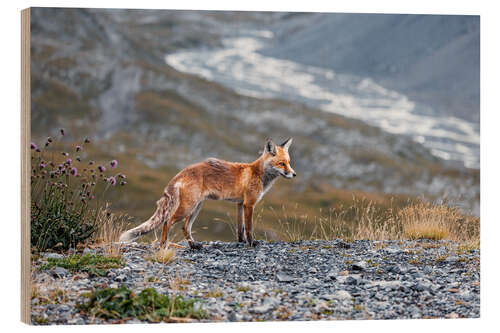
(282, 164)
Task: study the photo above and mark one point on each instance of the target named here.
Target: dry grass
(366, 220)
(164, 255)
(427, 221)
(215, 293)
(110, 228)
(179, 283)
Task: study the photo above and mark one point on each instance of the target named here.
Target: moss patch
(89, 263)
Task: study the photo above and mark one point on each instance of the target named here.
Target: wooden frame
(25, 165)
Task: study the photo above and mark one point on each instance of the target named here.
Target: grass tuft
(164, 255)
(148, 305)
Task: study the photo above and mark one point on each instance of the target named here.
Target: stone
(332, 275)
(451, 259)
(359, 266)
(54, 256)
(234, 316)
(264, 308)
(121, 278)
(342, 295)
(352, 280)
(88, 251)
(59, 272)
(282, 277)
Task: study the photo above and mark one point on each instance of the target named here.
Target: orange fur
(243, 183)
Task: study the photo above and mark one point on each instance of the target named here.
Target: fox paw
(196, 245)
(254, 243)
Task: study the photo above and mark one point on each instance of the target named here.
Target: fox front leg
(241, 229)
(248, 224)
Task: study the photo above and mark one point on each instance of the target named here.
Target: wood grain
(25, 166)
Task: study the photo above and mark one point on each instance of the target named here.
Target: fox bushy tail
(166, 206)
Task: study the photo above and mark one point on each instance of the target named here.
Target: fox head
(277, 158)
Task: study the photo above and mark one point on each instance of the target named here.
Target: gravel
(306, 280)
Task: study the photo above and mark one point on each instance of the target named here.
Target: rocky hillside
(101, 73)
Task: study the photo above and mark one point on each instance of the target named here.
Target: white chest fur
(266, 187)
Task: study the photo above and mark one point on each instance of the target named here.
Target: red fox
(243, 183)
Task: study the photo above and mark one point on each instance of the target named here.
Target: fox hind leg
(188, 224)
(164, 233)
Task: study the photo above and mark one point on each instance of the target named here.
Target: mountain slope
(101, 74)
(434, 59)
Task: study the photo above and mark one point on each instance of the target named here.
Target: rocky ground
(306, 280)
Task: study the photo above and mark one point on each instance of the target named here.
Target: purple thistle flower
(101, 168)
(42, 165)
(63, 132)
(69, 161)
(73, 171)
(78, 148)
(121, 175)
(122, 183)
(112, 180)
(65, 154)
(60, 166)
(113, 163)
(33, 146)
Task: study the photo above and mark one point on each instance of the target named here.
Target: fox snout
(290, 174)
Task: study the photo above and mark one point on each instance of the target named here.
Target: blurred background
(382, 108)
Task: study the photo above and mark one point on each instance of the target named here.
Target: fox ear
(285, 145)
(270, 147)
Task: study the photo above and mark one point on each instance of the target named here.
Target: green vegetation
(55, 225)
(89, 263)
(40, 320)
(65, 193)
(148, 305)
